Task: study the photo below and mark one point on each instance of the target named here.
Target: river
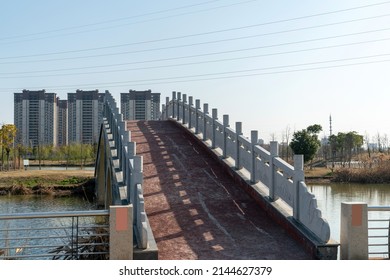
(44, 203)
(330, 197)
(31, 203)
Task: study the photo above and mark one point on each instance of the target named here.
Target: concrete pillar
(205, 112)
(299, 176)
(238, 145)
(197, 108)
(178, 105)
(274, 153)
(121, 232)
(254, 139)
(166, 107)
(184, 108)
(225, 125)
(190, 104)
(353, 231)
(215, 117)
(173, 104)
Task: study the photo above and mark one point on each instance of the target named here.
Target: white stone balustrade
(283, 181)
(121, 170)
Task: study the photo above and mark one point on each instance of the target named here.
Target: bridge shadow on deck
(195, 209)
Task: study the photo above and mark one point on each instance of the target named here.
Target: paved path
(195, 210)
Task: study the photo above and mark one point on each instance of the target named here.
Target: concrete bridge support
(353, 231)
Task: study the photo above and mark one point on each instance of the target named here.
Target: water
(28, 204)
(330, 197)
(45, 203)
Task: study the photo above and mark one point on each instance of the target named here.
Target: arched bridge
(199, 189)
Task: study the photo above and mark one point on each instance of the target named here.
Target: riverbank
(318, 175)
(48, 182)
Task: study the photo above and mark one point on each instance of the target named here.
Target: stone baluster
(190, 105)
(184, 108)
(197, 108)
(178, 105)
(299, 176)
(254, 139)
(167, 107)
(272, 186)
(225, 125)
(214, 132)
(173, 104)
(205, 113)
(238, 145)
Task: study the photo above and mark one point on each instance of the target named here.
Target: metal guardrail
(379, 231)
(55, 235)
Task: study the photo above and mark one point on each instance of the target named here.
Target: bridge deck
(195, 209)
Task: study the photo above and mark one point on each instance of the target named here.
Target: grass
(57, 182)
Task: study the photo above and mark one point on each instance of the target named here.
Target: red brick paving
(195, 209)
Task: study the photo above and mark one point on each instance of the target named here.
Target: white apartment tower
(62, 122)
(85, 115)
(140, 105)
(35, 117)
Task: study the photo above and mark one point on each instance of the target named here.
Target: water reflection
(27, 235)
(44, 203)
(330, 197)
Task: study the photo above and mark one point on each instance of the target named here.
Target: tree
(305, 142)
(345, 145)
(7, 136)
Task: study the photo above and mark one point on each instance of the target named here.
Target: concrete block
(353, 231)
(121, 232)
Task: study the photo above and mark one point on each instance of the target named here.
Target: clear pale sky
(270, 64)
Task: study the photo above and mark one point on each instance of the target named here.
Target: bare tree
(367, 140)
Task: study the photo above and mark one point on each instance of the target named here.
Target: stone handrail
(121, 168)
(282, 180)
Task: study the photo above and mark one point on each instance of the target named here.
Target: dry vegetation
(64, 182)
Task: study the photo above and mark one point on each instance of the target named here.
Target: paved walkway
(195, 210)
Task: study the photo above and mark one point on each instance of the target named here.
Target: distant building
(62, 122)
(140, 105)
(35, 117)
(85, 115)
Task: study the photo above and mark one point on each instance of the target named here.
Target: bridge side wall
(119, 176)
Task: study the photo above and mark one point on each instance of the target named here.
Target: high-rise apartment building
(35, 117)
(62, 122)
(85, 115)
(140, 105)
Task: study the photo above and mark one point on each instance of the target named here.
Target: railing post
(272, 186)
(121, 232)
(131, 150)
(238, 145)
(215, 117)
(205, 113)
(173, 104)
(166, 107)
(184, 108)
(298, 177)
(354, 231)
(225, 125)
(254, 139)
(190, 104)
(178, 105)
(197, 108)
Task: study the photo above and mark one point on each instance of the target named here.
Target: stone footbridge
(194, 188)
(195, 209)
